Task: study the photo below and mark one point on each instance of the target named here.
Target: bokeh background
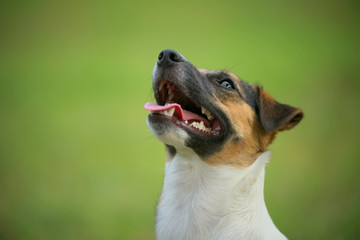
(77, 160)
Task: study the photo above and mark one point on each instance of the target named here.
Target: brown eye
(227, 84)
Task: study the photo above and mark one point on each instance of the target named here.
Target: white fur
(200, 201)
(173, 136)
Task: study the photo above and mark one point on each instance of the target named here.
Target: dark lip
(177, 122)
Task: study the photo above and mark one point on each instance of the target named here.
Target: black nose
(169, 57)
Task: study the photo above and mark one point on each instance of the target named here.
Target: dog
(216, 129)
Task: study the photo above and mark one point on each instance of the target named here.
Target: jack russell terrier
(216, 129)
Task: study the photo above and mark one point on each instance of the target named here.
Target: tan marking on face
(203, 70)
(236, 79)
(233, 76)
(250, 140)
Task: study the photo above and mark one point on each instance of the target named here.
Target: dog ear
(274, 115)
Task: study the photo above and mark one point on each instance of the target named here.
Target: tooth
(171, 111)
(161, 84)
(210, 116)
(207, 113)
(200, 126)
(203, 110)
(168, 112)
(186, 122)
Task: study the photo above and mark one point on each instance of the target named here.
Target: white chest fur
(199, 201)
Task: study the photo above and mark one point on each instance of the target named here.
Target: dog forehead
(219, 74)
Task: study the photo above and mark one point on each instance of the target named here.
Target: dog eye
(227, 84)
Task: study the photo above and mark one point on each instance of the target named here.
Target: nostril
(174, 57)
(161, 55)
(168, 57)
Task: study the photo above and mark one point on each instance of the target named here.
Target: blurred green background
(77, 160)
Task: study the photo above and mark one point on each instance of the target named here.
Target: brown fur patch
(251, 141)
(203, 70)
(233, 76)
(277, 116)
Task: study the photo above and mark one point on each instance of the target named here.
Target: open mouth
(174, 104)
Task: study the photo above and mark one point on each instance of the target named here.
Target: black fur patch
(171, 149)
(251, 94)
(237, 139)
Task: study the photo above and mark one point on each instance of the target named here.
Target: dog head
(221, 118)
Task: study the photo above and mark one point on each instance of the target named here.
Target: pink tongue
(183, 114)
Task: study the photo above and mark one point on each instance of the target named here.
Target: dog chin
(168, 133)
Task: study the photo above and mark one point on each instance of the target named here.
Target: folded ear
(274, 115)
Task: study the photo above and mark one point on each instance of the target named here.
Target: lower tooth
(200, 126)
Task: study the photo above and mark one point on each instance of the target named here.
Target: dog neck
(200, 201)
